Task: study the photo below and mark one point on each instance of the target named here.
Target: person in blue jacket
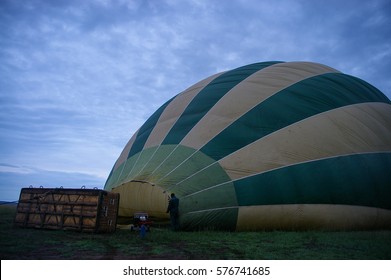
(173, 209)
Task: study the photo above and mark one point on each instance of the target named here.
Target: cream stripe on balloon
(248, 94)
(173, 112)
(318, 137)
(351, 129)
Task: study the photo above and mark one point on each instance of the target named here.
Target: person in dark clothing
(173, 209)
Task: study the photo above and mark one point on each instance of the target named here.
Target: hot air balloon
(267, 146)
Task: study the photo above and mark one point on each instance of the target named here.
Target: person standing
(173, 209)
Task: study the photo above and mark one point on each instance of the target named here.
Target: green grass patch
(162, 243)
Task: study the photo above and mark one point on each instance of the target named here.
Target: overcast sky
(78, 78)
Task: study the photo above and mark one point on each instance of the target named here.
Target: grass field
(161, 243)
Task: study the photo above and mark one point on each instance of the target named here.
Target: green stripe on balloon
(208, 97)
(297, 102)
(360, 179)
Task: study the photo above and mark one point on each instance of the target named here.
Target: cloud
(9, 168)
(78, 78)
(13, 178)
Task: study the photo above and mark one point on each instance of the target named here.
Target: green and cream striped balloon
(271, 145)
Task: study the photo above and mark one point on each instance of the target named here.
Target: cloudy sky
(78, 78)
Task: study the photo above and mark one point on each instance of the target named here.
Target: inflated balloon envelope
(271, 145)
